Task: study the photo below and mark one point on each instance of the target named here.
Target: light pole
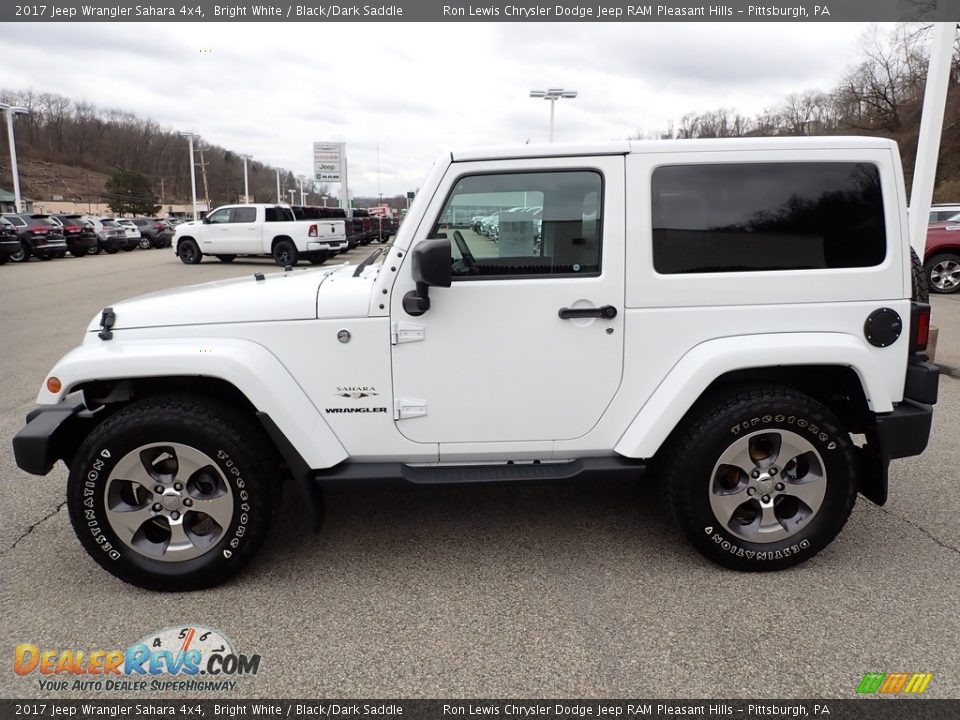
(193, 172)
(11, 111)
(292, 192)
(278, 187)
(301, 178)
(553, 94)
(246, 184)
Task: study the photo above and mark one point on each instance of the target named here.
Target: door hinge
(404, 408)
(404, 332)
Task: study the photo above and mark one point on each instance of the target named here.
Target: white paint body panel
(500, 375)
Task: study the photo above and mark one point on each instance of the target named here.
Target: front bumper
(35, 447)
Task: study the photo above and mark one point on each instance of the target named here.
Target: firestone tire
(189, 252)
(771, 527)
(220, 465)
(918, 281)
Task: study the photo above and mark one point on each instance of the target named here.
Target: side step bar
(387, 475)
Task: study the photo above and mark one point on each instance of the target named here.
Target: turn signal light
(54, 385)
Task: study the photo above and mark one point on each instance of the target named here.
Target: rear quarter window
(743, 217)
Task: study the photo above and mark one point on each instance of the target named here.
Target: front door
(527, 343)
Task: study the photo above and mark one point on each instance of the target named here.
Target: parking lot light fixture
(193, 172)
(553, 94)
(12, 110)
(246, 183)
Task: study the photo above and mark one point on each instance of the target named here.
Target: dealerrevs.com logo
(176, 659)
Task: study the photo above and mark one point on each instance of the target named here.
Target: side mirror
(430, 266)
(206, 221)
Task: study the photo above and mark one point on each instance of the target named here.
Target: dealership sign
(328, 161)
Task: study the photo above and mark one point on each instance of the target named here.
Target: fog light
(54, 385)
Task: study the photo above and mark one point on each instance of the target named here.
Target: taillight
(313, 231)
(158, 226)
(919, 326)
(73, 228)
(39, 231)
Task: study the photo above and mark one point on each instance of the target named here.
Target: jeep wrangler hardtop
(743, 317)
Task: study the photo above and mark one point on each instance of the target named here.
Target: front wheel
(760, 479)
(172, 493)
(189, 252)
(943, 273)
(285, 253)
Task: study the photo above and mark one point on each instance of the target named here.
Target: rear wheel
(22, 255)
(760, 478)
(95, 250)
(45, 256)
(80, 253)
(111, 251)
(144, 243)
(173, 493)
(189, 252)
(285, 253)
(943, 273)
(226, 258)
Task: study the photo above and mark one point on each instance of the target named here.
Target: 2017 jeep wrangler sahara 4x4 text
(737, 314)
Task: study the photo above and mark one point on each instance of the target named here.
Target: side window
(524, 224)
(244, 215)
(219, 216)
(278, 214)
(741, 217)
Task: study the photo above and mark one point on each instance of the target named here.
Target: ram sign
(328, 161)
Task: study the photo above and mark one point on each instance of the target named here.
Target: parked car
(9, 241)
(941, 262)
(154, 232)
(132, 233)
(79, 233)
(39, 236)
(110, 236)
(769, 369)
(259, 229)
(941, 212)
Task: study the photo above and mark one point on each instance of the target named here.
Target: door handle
(607, 311)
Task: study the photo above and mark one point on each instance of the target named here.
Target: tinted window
(543, 223)
(14, 220)
(766, 216)
(278, 214)
(244, 214)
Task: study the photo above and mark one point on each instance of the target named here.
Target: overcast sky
(419, 89)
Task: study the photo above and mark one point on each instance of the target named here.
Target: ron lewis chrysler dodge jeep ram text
(736, 314)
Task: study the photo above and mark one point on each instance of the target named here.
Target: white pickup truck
(259, 229)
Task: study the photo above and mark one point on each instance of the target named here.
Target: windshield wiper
(370, 258)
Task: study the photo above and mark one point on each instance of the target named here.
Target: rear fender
(703, 364)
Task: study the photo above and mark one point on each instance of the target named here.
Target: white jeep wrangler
(737, 314)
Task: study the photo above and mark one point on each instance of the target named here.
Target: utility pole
(246, 184)
(206, 188)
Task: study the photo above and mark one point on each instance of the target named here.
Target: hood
(278, 296)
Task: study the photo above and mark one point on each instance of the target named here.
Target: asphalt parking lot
(565, 591)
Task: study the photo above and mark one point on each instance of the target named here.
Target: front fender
(248, 366)
(707, 361)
